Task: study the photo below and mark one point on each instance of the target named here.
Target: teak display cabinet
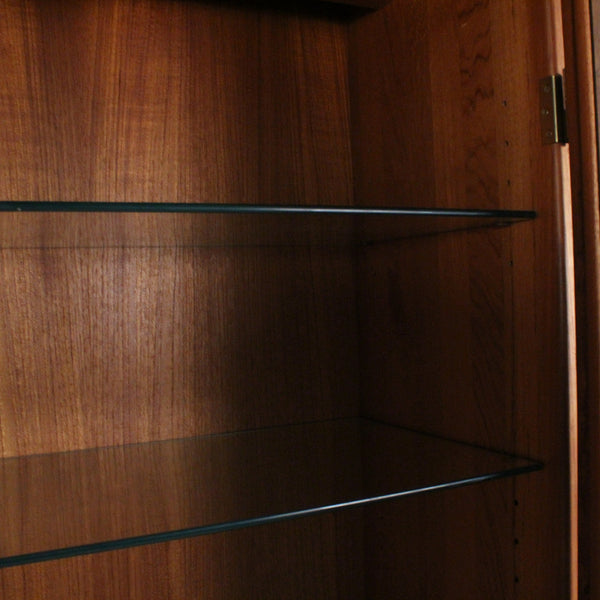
(285, 303)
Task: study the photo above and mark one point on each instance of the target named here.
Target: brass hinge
(553, 111)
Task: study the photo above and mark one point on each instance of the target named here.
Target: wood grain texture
(439, 338)
(480, 341)
(113, 346)
(212, 102)
(107, 495)
(391, 149)
(176, 101)
(454, 551)
(582, 48)
(547, 426)
(167, 101)
(296, 560)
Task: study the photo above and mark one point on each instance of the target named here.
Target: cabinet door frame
(581, 25)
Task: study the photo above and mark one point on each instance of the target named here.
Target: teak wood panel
(452, 545)
(438, 351)
(112, 346)
(299, 560)
(480, 342)
(176, 101)
(173, 101)
(164, 101)
(582, 27)
(253, 139)
(441, 333)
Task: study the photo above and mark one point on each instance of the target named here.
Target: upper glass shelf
(130, 224)
(71, 503)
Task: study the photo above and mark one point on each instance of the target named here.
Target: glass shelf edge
(214, 208)
(170, 536)
(214, 528)
(56, 225)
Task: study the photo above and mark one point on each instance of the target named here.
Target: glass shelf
(66, 504)
(131, 224)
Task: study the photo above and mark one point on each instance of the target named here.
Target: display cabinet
(286, 302)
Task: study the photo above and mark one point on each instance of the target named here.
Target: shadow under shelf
(81, 502)
(137, 224)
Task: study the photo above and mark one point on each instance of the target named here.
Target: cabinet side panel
(453, 552)
(437, 320)
(438, 326)
(467, 335)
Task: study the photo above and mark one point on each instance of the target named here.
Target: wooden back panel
(173, 101)
(112, 346)
(191, 102)
(162, 101)
(300, 560)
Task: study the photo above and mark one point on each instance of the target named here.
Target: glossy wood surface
(191, 102)
(173, 101)
(112, 346)
(582, 27)
(123, 101)
(480, 324)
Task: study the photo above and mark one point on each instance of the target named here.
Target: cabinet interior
(122, 332)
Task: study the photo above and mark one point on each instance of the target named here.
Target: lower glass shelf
(66, 504)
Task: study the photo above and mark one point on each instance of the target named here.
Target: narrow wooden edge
(560, 46)
(585, 492)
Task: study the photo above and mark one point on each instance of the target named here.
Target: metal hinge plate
(552, 110)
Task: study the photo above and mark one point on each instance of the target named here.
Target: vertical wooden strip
(545, 426)
(581, 20)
